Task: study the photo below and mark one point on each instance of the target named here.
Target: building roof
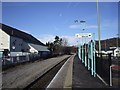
(110, 49)
(20, 34)
(39, 47)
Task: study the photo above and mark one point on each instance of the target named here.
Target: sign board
(82, 35)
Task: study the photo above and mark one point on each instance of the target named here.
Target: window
(117, 51)
(14, 42)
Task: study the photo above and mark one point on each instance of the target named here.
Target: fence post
(91, 56)
(82, 54)
(79, 51)
(18, 58)
(101, 63)
(28, 57)
(110, 75)
(12, 59)
(109, 57)
(94, 60)
(4, 60)
(85, 56)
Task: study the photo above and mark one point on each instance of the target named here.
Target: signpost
(82, 35)
(87, 50)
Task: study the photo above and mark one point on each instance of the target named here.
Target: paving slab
(63, 79)
(82, 77)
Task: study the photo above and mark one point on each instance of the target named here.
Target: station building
(14, 42)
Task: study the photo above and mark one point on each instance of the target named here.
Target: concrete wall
(4, 40)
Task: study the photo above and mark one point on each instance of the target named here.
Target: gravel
(22, 75)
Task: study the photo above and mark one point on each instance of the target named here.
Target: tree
(60, 42)
(58, 46)
(50, 46)
(56, 40)
(64, 42)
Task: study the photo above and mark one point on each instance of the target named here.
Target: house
(14, 42)
(115, 51)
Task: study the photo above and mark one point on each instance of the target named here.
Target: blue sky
(45, 20)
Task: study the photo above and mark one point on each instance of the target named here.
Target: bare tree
(64, 41)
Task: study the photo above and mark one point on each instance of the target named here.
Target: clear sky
(45, 20)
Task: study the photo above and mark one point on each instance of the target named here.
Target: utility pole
(117, 40)
(98, 14)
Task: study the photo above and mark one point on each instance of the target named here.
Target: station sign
(82, 35)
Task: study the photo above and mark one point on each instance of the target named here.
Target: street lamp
(98, 14)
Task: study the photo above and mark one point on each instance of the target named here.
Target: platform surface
(82, 77)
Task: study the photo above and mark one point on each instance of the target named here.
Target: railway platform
(72, 75)
(82, 77)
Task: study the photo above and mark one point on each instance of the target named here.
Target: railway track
(44, 80)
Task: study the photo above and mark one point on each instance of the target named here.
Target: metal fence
(8, 61)
(12, 60)
(103, 63)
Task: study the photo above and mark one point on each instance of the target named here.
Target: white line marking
(58, 73)
(102, 80)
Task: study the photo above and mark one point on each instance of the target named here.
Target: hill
(112, 42)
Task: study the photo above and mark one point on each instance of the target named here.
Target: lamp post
(98, 15)
(77, 21)
(84, 45)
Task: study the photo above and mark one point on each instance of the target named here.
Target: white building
(16, 42)
(115, 51)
